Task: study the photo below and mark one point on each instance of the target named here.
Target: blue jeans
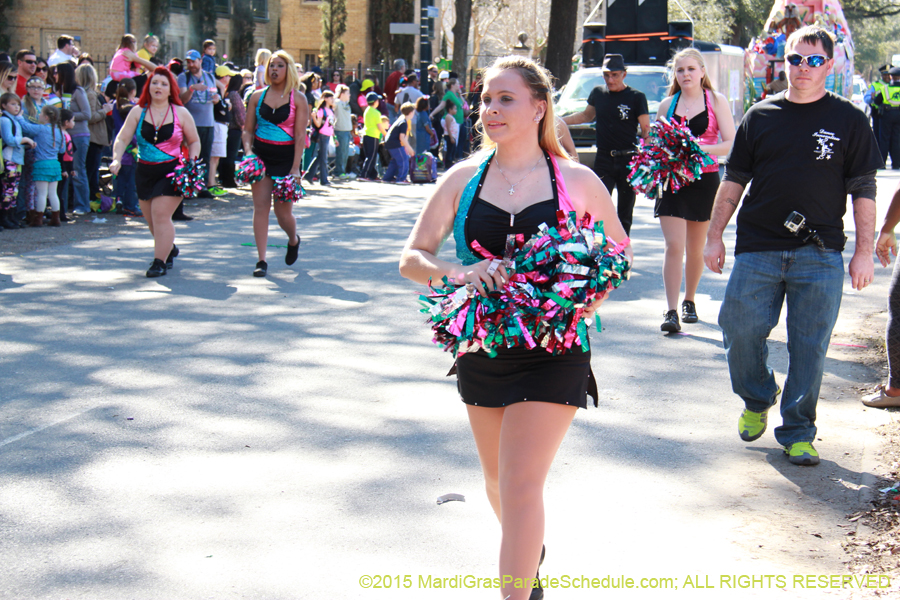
(370, 146)
(399, 166)
(126, 189)
(320, 162)
(341, 151)
(79, 167)
(812, 280)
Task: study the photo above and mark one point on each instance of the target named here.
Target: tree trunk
(461, 37)
(563, 21)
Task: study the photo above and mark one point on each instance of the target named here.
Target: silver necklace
(512, 186)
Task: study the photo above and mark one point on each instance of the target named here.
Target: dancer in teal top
(521, 402)
(162, 127)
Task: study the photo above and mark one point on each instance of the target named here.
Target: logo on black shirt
(624, 109)
(825, 144)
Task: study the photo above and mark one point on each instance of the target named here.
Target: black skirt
(152, 180)
(278, 158)
(691, 203)
(523, 375)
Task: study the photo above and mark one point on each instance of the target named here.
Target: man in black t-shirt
(619, 110)
(805, 150)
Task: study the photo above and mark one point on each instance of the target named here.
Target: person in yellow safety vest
(889, 100)
(878, 86)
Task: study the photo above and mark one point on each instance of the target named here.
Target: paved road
(212, 435)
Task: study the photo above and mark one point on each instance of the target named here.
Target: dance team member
(161, 128)
(275, 131)
(684, 214)
(520, 403)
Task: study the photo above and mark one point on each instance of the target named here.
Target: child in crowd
(34, 100)
(125, 189)
(451, 134)
(14, 144)
(323, 121)
(49, 143)
(208, 63)
(373, 131)
(397, 144)
(66, 161)
(343, 131)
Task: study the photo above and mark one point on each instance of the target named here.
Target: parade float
(765, 55)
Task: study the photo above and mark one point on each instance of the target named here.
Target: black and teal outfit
(515, 374)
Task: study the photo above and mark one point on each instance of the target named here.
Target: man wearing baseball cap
(198, 92)
(618, 111)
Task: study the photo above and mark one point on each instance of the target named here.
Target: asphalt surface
(213, 435)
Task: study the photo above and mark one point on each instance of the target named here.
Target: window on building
(260, 8)
(222, 7)
(182, 4)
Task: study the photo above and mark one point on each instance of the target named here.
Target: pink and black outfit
(159, 148)
(694, 202)
(273, 141)
(516, 374)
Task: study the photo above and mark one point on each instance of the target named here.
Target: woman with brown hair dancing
(521, 402)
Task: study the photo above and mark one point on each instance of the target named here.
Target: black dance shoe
(538, 592)
(157, 269)
(170, 261)
(689, 312)
(291, 256)
(261, 269)
(670, 322)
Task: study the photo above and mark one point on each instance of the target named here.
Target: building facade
(301, 32)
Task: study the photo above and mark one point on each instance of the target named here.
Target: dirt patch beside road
(873, 534)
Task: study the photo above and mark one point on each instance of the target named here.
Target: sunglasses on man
(813, 60)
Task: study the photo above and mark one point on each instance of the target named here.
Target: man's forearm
(864, 220)
(727, 199)
(575, 119)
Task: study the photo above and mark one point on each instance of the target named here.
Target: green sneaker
(217, 191)
(802, 453)
(752, 425)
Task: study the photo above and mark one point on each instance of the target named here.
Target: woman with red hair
(162, 127)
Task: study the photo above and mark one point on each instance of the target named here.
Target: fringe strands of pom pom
(250, 170)
(670, 158)
(555, 276)
(189, 177)
(286, 189)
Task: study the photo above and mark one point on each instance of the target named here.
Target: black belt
(615, 153)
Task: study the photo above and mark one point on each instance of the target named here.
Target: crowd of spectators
(357, 128)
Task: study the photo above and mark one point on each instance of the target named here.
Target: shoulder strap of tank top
(673, 105)
(140, 124)
(463, 252)
(562, 192)
(262, 98)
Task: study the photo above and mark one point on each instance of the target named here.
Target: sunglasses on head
(813, 60)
